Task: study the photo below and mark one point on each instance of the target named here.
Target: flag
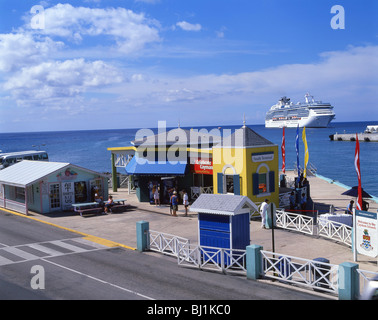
(283, 151)
(306, 152)
(297, 149)
(357, 166)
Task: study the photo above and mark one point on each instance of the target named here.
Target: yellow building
(247, 164)
(243, 163)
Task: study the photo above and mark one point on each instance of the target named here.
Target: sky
(118, 64)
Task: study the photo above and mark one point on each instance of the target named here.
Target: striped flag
(283, 151)
(306, 152)
(357, 166)
(297, 149)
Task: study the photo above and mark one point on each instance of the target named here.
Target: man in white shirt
(263, 212)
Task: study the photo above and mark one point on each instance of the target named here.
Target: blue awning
(160, 168)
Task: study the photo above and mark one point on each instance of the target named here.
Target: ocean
(333, 159)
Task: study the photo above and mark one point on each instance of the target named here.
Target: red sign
(203, 166)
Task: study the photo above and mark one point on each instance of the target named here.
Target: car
(371, 290)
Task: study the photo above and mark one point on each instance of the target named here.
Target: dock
(362, 137)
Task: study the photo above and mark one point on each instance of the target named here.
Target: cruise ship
(311, 114)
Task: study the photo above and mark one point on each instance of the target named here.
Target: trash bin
(284, 268)
(320, 273)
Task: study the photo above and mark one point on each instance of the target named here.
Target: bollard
(142, 229)
(254, 261)
(349, 283)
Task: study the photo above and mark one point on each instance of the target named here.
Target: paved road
(70, 267)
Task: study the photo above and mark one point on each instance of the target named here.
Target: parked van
(7, 159)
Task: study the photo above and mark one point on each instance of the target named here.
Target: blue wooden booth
(223, 222)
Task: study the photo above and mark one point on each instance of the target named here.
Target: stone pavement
(121, 227)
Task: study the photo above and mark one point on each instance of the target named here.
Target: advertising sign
(68, 195)
(366, 233)
(203, 166)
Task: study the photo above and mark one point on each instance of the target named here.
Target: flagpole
(358, 170)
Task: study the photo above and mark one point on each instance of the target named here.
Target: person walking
(185, 201)
(263, 212)
(174, 203)
(157, 196)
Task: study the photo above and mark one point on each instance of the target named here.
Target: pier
(362, 137)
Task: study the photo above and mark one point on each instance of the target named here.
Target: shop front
(46, 187)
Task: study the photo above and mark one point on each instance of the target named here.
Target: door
(55, 196)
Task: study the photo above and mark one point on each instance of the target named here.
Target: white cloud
(22, 49)
(189, 26)
(338, 77)
(55, 79)
(129, 30)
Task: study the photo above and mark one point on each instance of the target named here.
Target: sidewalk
(121, 227)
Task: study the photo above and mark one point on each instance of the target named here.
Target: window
(229, 184)
(263, 181)
(20, 194)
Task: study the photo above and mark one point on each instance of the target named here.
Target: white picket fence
(301, 223)
(212, 258)
(311, 274)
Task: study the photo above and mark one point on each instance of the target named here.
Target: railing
(336, 231)
(166, 243)
(197, 191)
(312, 274)
(211, 258)
(301, 223)
(293, 221)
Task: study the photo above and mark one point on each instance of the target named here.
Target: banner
(358, 170)
(306, 152)
(297, 149)
(283, 152)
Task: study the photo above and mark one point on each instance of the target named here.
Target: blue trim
(156, 168)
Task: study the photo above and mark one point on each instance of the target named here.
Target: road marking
(99, 280)
(49, 252)
(20, 253)
(68, 246)
(109, 243)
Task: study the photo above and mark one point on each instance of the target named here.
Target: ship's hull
(315, 121)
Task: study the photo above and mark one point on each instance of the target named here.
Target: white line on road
(97, 279)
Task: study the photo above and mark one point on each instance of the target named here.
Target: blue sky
(103, 64)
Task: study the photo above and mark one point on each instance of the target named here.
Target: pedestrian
(303, 202)
(349, 209)
(185, 201)
(263, 212)
(174, 203)
(292, 201)
(109, 205)
(157, 196)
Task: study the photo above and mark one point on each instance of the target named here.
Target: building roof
(179, 136)
(223, 204)
(27, 172)
(245, 137)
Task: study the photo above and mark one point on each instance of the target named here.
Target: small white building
(46, 187)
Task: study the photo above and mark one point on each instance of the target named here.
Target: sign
(68, 195)
(261, 157)
(203, 166)
(366, 233)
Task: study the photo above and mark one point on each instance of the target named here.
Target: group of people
(173, 200)
(293, 202)
(106, 206)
